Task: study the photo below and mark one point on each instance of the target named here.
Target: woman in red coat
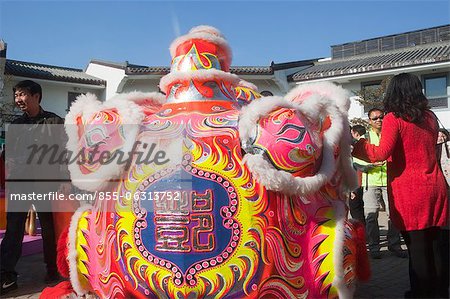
(417, 191)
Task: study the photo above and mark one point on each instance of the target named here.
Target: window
(436, 90)
(71, 97)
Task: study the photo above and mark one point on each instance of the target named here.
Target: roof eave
(370, 73)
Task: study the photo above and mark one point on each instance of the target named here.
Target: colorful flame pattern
(290, 143)
(226, 236)
(245, 95)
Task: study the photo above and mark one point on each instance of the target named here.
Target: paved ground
(389, 275)
(390, 278)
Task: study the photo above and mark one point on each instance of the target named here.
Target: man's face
(375, 119)
(26, 101)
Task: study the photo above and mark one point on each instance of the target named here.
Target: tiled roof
(293, 64)
(419, 55)
(134, 69)
(162, 70)
(251, 70)
(50, 72)
(144, 70)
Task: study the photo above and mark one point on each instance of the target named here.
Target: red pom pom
(62, 253)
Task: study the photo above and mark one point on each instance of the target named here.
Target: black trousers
(11, 247)
(356, 206)
(428, 262)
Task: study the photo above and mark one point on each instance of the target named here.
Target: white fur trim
(247, 84)
(340, 96)
(206, 33)
(203, 75)
(338, 253)
(131, 113)
(208, 29)
(73, 255)
(281, 181)
(140, 97)
(349, 176)
(341, 99)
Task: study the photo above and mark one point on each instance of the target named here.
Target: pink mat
(31, 244)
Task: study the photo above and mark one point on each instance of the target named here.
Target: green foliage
(8, 109)
(372, 96)
(359, 121)
(7, 112)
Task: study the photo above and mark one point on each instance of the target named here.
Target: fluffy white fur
(349, 177)
(339, 96)
(338, 255)
(206, 33)
(131, 113)
(281, 181)
(208, 29)
(325, 100)
(203, 75)
(247, 84)
(140, 97)
(73, 255)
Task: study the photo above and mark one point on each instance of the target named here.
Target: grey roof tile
(144, 70)
(430, 53)
(162, 70)
(50, 72)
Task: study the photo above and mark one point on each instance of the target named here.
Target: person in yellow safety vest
(374, 182)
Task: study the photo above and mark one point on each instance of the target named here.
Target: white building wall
(353, 83)
(115, 78)
(264, 84)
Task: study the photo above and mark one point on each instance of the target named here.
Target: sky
(72, 33)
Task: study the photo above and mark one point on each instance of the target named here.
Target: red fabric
(363, 267)
(62, 253)
(416, 186)
(61, 290)
(2, 173)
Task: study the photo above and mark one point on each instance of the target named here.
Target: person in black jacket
(28, 96)
(356, 204)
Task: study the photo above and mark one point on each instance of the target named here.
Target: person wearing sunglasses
(375, 195)
(417, 188)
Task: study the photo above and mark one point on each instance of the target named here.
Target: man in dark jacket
(28, 96)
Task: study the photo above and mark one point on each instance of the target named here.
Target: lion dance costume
(242, 196)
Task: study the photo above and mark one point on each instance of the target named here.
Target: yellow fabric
(377, 175)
